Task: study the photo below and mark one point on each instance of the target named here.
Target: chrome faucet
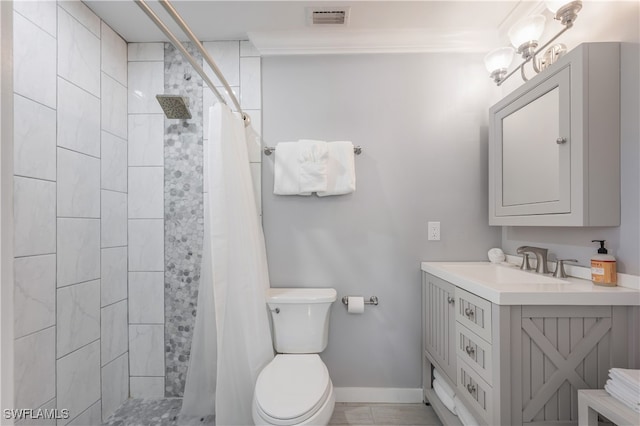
(541, 257)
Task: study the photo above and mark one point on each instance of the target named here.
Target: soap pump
(603, 267)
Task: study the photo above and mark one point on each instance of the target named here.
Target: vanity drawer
(479, 392)
(474, 313)
(474, 350)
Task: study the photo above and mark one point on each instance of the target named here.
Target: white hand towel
(443, 384)
(341, 169)
(313, 165)
(286, 179)
(464, 415)
(444, 397)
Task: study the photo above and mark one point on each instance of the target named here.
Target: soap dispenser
(603, 267)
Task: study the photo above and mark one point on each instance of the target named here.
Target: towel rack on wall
(268, 150)
(205, 55)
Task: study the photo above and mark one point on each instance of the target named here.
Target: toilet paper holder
(373, 300)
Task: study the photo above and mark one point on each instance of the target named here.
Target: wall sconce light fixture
(497, 62)
(525, 33)
(524, 36)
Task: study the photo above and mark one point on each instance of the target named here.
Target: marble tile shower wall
(164, 156)
(71, 212)
(146, 220)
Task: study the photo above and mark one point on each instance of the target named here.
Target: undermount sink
(499, 274)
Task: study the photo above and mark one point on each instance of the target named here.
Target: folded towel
(443, 384)
(624, 388)
(627, 377)
(313, 165)
(627, 398)
(341, 169)
(286, 174)
(464, 415)
(444, 397)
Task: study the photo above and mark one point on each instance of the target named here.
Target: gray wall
(623, 241)
(421, 120)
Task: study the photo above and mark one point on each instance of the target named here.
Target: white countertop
(549, 291)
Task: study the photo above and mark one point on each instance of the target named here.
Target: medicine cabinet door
(533, 147)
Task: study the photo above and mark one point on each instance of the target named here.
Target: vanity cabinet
(518, 364)
(554, 144)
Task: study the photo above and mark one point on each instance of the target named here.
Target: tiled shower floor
(154, 412)
(165, 412)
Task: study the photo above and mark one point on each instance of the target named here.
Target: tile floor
(165, 412)
(384, 414)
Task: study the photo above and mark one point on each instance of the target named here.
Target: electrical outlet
(434, 231)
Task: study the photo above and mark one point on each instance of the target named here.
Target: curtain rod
(178, 45)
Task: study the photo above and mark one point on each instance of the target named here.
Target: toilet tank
(300, 318)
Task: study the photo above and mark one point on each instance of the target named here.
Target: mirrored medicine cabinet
(554, 144)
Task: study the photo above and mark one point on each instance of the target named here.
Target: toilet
(295, 387)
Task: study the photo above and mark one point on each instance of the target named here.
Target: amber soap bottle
(603, 267)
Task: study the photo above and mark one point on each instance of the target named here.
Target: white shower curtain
(231, 341)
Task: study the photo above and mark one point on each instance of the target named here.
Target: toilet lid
(292, 388)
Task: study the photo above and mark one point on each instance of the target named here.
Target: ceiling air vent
(328, 16)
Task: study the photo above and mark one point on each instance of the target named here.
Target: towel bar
(373, 300)
(268, 150)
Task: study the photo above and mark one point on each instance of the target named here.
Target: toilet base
(320, 418)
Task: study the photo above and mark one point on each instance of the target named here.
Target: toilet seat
(292, 388)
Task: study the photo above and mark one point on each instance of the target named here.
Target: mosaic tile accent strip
(184, 216)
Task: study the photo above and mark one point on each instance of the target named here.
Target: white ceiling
(277, 27)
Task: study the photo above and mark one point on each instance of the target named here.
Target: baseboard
(379, 395)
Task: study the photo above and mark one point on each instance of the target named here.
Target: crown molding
(343, 41)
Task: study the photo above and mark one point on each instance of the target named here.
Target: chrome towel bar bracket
(373, 300)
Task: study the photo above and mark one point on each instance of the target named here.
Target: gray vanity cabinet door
(440, 323)
(563, 349)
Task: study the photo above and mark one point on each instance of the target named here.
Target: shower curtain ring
(247, 119)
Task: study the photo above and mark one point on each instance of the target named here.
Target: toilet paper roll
(355, 305)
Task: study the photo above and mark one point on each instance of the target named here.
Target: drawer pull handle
(469, 350)
(468, 312)
(451, 300)
(471, 388)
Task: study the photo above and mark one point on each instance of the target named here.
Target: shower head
(174, 106)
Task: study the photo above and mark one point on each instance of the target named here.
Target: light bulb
(498, 59)
(526, 30)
